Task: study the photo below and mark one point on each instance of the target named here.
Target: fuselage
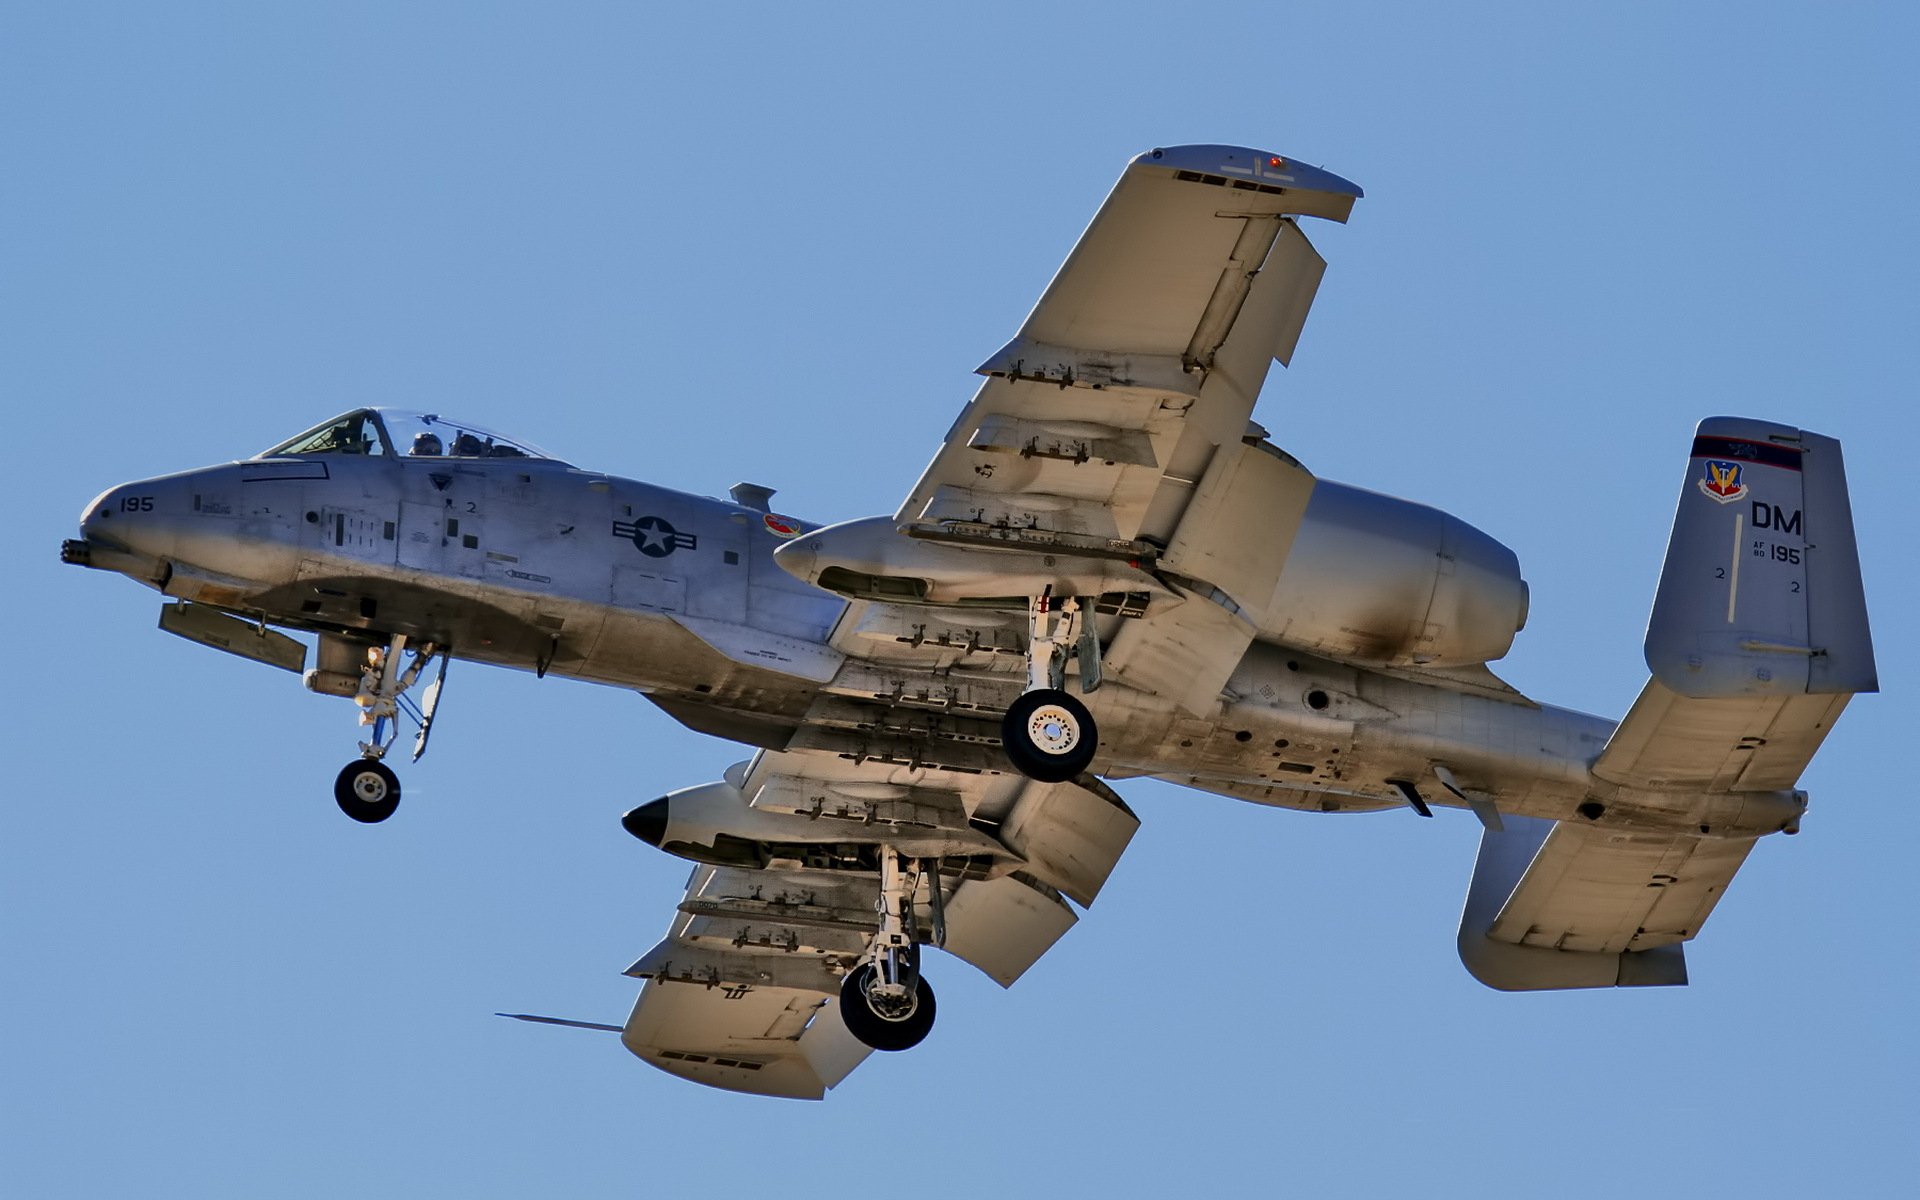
(535, 564)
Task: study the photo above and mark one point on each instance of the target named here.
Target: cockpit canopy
(402, 434)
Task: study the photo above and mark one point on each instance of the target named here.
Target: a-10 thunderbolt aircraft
(1107, 571)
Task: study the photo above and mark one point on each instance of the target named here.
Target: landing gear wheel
(367, 790)
(1049, 736)
(900, 1025)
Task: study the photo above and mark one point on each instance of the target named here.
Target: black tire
(367, 790)
(883, 1032)
(1049, 736)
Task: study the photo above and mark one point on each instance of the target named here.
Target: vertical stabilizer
(1761, 591)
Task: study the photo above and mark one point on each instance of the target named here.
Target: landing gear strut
(366, 788)
(1049, 735)
(884, 1001)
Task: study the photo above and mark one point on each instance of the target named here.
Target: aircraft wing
(743, 991)
(1116, 423)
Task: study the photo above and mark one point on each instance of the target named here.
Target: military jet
(1108, 571)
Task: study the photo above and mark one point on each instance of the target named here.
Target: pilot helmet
(468, 446)
(426, 444)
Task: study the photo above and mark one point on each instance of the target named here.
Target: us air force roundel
(654, 537)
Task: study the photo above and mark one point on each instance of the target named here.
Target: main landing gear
(1048, 734)
(884, 1001)
(366, 788)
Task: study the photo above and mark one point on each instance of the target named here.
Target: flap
(1071, 834)
(1185, 651)
(1240, 525)
(1004, 925)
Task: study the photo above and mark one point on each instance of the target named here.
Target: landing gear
(367, 790)
(1048, 735)
(884, 1001)
(881, 1019)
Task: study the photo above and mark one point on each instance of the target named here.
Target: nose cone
(799, 558)
(648, 822)
(96, 519)
(140, 518)
(116, 535)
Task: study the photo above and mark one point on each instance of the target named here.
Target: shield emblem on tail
(1723, 480)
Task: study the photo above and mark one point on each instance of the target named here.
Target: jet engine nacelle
(1378, 580)
(714, 823)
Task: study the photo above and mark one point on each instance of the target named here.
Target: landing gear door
(428, 703)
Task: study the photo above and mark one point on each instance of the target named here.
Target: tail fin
(1761, 591)
(1757, 641)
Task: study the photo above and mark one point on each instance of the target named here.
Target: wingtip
(1242, 160)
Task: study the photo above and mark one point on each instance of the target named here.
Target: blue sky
(770, 243)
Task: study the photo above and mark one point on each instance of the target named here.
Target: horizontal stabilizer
(1737, 744)
(1556, 905)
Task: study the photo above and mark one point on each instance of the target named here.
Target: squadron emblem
(1723, 481)
(779, 526)
(654, 537)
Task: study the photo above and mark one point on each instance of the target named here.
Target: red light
(1276, 161)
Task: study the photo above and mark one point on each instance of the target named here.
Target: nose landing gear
(367, 789)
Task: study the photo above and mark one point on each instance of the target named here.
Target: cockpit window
(402, 434)
(355, 433)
